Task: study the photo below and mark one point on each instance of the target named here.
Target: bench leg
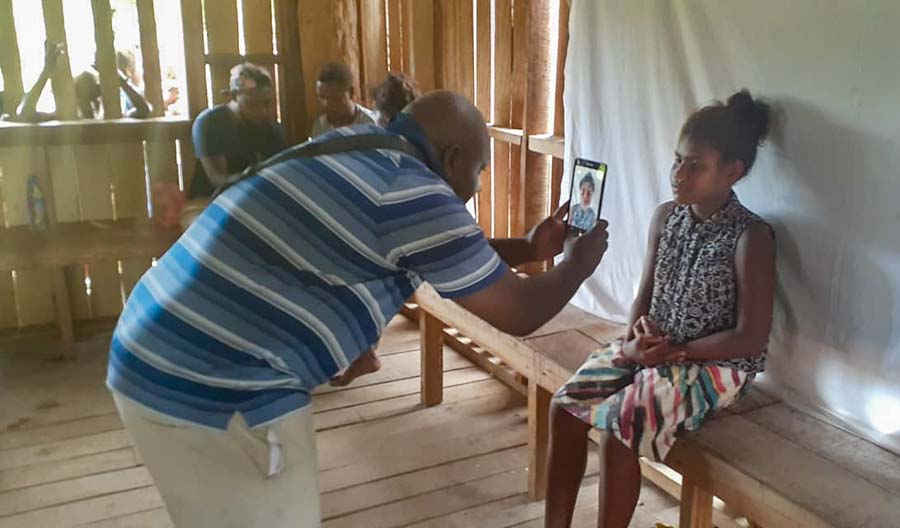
(538, 438)
(431, 342)
(696, 506)
(63, 313)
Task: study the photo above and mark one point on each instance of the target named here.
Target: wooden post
(293, 110)
(10, 65)
(696, 505)
(521, 49)
(372, 46)
(63, 85)
(63, 313)
(222, 38)
(502, 168)
(106, 59)
(194, 64)
(150, 57)
(431, 342)
(538, 439)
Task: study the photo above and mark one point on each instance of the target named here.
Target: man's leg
(210, 478)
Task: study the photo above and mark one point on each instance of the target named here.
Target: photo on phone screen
(586, 196)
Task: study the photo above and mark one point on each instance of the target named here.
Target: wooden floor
(384, 459)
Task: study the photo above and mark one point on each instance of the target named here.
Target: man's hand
(584, 252)
(547, 238)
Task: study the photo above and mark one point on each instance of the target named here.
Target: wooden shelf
(89, 132)
(547, 144)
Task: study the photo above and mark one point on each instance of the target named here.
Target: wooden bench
(779, 466)
(64, 244)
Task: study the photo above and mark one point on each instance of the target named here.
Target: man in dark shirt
(230, 137)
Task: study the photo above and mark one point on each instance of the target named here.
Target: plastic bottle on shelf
(37, 205)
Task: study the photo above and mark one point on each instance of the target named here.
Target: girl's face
(700, 175)
(586, 194)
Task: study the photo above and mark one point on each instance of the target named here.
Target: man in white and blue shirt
(284, 280)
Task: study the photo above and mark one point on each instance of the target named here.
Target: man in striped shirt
(288, 277)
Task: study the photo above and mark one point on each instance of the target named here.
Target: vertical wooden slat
(536, 197)
(521, 12)
(421, 43)
(696, 506)
(257, 16)
(466, 49)
(126, 160)
(483, 102)
(33, 288)
(502, 110)
(293, 107)
(328, 33)
(8, 316)
(455, 47)
(150, 57)
(395, 36)
(63, 85)
(61, 163)
(94, 173)
(559, 115)
(194, 63)
(372, 45)
(406, 32)
(9, 58)
(63, 312)
(106, 59)
(222, 38)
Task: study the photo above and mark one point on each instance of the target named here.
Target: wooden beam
(291, 78)
(221, 37)
(538, 439)
(547, 145)
(431, 332)
(10, 64)
(500, 170)
(106, 59)
(372, 46)
(511, 136)
(195, 68)
(94, 132)
(520, 50)
(483, 102)
(63, 85)
(150, 57)
(696, 505)
(421, 39)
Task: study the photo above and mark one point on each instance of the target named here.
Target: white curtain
(827, 180)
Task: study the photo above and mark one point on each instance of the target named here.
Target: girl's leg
(567, 457)
(364, 364)
(620, 484)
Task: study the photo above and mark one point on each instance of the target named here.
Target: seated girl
(698, 329)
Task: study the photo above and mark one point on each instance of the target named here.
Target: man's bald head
(456, 129)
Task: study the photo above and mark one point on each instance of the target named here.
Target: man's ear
(450, 156)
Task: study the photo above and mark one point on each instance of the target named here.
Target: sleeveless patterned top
(694, 285)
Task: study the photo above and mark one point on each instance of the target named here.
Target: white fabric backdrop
(827, 180)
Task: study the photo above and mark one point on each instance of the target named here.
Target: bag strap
(335, 145)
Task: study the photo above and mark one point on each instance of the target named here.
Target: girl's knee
(563, 422)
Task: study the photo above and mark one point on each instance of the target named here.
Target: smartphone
(586, 196)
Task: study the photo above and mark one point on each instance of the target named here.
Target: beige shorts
(238, 478)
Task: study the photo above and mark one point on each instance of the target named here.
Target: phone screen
(586, 196)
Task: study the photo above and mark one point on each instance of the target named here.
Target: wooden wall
(496, 52)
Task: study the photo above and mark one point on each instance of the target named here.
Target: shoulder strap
(335, 145)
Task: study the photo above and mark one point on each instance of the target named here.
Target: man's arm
(141, 108)
(216, 168)
(513, 251)
(543, 242)
(27, 110)
(520, 305)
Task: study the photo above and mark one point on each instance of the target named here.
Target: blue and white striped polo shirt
(288, 276)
